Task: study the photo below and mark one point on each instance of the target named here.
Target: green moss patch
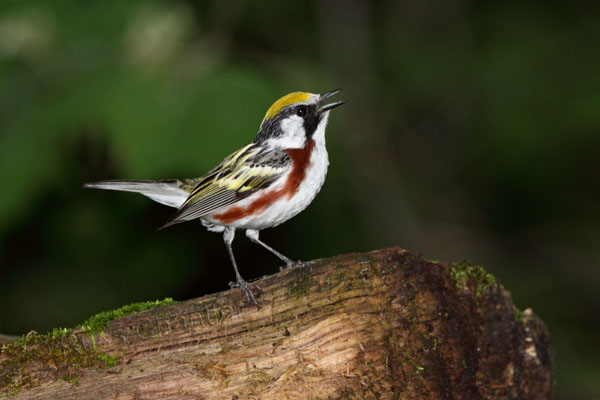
(61, 353)
(467, 275)
(98, 322)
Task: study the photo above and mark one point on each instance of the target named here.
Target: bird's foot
(295, 264)
(247, 290)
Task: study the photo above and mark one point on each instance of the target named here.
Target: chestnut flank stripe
(300, 163)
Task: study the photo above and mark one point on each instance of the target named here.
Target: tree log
(382, 325)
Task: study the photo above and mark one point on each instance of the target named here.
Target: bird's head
(296, 118)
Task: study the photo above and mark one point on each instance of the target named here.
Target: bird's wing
(171, 193)
(238, 176)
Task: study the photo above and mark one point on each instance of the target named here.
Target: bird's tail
(168, 192)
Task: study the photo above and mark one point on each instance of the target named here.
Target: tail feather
(168, 192)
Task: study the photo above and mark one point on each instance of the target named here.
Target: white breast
(286, 207)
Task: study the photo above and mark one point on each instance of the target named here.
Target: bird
(261, 185)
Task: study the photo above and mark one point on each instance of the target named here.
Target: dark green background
(472, 131)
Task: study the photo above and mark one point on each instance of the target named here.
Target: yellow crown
(294, 97)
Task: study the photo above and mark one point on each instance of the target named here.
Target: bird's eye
(301, 111)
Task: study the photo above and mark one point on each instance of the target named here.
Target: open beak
(323, 98)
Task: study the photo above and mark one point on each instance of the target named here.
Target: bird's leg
(252, 234)
(246, 287)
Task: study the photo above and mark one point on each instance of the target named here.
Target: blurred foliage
(472, 132)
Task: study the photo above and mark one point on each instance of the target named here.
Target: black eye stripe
(310, 123)
(271, 128)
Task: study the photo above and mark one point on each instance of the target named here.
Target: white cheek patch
(293, 126)
(293, 136)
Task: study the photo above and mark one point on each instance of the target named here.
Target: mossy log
(382, 325)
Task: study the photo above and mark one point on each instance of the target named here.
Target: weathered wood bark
(382, 325)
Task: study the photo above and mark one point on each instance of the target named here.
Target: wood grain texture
(382, 325)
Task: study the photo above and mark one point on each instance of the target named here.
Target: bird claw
(295, 264)
(247, 290)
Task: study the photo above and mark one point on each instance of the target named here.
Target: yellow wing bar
(238, 176)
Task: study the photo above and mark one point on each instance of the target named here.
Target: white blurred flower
(26, 33)
(156, 33)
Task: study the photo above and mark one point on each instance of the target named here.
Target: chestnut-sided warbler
(262, 185)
